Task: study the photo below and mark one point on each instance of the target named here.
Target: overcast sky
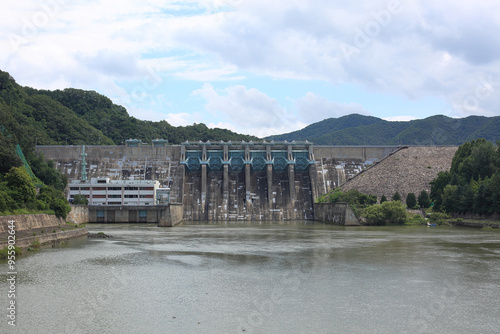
(262, 67)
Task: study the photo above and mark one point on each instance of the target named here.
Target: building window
(115, 188)
(74, 188)
(130, 196)
(100, 213)
(143, 213)
(131, 188)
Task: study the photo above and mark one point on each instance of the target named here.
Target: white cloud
(181, 119)
(247, 110)
(314, 108)
(400, 118)
(425, 48)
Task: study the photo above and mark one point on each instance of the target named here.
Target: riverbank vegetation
(472, 185)
(365, 207)
(19, 195)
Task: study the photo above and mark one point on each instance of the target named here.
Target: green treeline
(472, 185)
(76, 117)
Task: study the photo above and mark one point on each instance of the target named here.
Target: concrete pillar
(248, 189)
(270, 184)
(226, 153)
(203, 186)
(225, 186)
(313, 177)
(291, 180)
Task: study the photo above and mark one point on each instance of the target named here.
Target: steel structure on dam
(225, 180)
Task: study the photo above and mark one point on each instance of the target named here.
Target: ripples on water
(263, 278)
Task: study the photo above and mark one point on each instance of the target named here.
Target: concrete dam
(223, 181)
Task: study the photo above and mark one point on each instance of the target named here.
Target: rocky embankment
(408, 170)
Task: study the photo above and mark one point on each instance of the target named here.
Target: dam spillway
(227, 181)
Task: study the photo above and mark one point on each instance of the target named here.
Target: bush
(35, 243)
(438, 218)
(383, 199)
(392, 213)
(396, 197)
(61, 208)
(4, 253)
(415, 219)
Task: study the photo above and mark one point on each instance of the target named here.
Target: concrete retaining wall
(173, 216)
(52, 238)
(28, 222)
(79, 214)
(335, 213)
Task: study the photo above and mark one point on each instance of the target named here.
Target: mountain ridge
(358, 129)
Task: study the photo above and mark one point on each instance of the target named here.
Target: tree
(5, 201)
(423, 200)
(396, 197)
(450, 198)
(80, 199)
(383, 199)
(437, 187)
(411, 200)
(61, 208)
(20, 183)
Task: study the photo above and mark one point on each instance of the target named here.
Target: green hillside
(75, 117)
(367, 130)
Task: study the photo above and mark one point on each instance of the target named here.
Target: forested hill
(367, 130)
(75, 117)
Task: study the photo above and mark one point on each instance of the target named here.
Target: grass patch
(4, 253)
(19, 212)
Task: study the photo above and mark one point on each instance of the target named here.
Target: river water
(298, 277)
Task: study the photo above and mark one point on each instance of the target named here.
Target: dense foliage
(473, 183)
(352, 197)
(368, 130)
(424, 201)
(76, 117)
(391, 213)
(17, 191)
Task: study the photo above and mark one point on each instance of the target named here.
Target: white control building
(104, 191)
